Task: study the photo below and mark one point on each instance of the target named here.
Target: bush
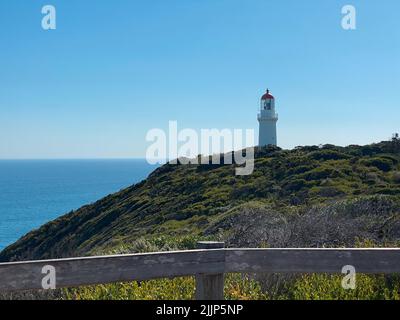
(329, 191)
(237, 287)
(295, 185)
(328, 155)
(328, 287)
(321, 173)
(160, 289)
(382, 164)
(396, 177)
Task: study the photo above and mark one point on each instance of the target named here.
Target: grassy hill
(178, 204)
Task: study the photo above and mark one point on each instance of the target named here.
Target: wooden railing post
(210, 286)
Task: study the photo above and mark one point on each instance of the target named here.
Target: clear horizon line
(144, 158)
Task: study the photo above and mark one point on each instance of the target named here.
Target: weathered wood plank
(108, 269)
(374, 260)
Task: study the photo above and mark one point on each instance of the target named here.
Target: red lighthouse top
(267, 95)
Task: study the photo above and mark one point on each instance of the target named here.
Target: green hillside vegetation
(311, 196)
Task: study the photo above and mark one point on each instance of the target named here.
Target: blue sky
(115, 69)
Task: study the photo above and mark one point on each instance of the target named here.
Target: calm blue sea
(33, 192)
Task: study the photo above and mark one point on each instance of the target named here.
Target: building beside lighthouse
(267, 119)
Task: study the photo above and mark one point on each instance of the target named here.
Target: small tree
(395, 145)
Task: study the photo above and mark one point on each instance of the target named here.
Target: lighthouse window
(268, 105)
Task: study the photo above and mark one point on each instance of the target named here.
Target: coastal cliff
(312, 187)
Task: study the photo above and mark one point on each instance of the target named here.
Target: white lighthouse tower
(267, 119)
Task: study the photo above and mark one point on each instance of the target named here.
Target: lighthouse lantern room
(267, 119)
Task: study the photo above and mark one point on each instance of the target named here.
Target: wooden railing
(209, 263)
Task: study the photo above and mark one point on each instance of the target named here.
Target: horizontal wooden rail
(108, 269)
(213, 262)
(371, 260)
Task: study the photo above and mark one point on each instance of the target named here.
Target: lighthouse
(267, 119)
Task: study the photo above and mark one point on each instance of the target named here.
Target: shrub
(237, 287)
(300, 169)
(328, 155)
(396, 177)
(295, 185)
(328, 287)
(328, 191)
(382, 164)
(160, 289)
(321, 173)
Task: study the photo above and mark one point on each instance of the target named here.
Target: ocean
(33, 192)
